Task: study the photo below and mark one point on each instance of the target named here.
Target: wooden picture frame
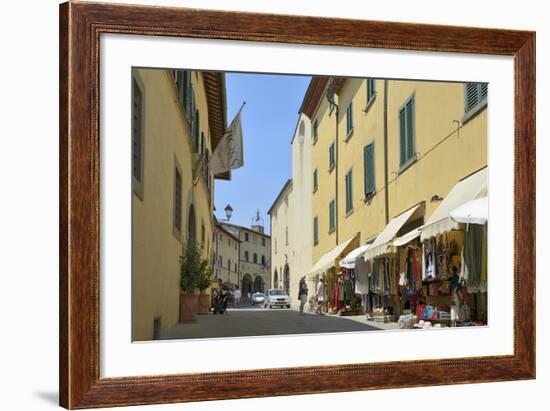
(80, 27)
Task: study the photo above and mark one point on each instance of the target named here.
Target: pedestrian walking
(320, 294)
(237, 297)
(302, 294)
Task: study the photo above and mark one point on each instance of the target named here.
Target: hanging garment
(472, 255)
(463, 277)
(483, 275)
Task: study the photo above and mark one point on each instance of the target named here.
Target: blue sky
(268, 121)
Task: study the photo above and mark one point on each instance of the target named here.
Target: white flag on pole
(228, 155)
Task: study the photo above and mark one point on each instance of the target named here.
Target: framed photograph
(260, 205)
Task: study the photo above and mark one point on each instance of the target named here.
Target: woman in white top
(320, 294)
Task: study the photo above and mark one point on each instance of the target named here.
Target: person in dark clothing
(302, 294)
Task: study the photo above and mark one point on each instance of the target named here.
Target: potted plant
(203, 284)
(190, 266)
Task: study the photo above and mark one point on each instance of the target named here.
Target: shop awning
(407, 238)
(383, 242)
(349, 260)
(473, 212)
(467, 189)
(328, 260)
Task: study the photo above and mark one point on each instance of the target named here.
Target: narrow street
(256, 321)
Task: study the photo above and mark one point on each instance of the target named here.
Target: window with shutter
(196, 131)
(315, 231)
(331, 216)
(407, 138)
(349, 192)
(315, 180)
(315, 131)
(137, 132)
(475, 96)
(349, 118)
(177, 200)
(370, 182)
(331, 156)
(370, 89)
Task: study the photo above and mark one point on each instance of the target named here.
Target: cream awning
(407, 238)
(383, 242)
(349, 260)
(467, 189)
(328, 260)
(472, 212)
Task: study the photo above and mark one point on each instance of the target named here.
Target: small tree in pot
(190, 267)
(203, 284)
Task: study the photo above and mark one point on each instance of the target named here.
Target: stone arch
(259, 286)
(246, 285)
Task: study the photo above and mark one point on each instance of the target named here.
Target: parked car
(258, 298)
(275, 297)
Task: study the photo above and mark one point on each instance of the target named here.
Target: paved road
(249, 321)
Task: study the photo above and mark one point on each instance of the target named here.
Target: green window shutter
(483, 91)
(402, 138)
(349, 118)
(349, 192)
(331, 215)
(196, 130)
(471, 96)
(314, 180)
(315, 231)
(315, 130)
(370, 182)
(331, 156)
(177, 200)
(411, 138)
(370, 89)
(137, 132)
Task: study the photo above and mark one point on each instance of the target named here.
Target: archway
(286, 281)
(246, 285)
(258, 284)
(191, 225)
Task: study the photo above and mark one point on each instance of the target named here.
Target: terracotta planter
(188, 307)
(203, 304)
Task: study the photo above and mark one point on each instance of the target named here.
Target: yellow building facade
(178, 117)
(381, 147)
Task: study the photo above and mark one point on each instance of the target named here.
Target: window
(370, 90)
(263, 259)
(407, 150)
(246, 256)
(349, 192)
(315, 231)
(229, 264)
(255, 258)
(286, 235)
(202, 144)
(315, 180)
(315, 131)
(221, 261)
(245, 236)
(349, 118)
(475, 96)
(203, 234)
(235, 267)
(137, 138)
(196, 131)
(177, 200)
(331, 156)
(331, 216)
(370, 182)
(263, 241)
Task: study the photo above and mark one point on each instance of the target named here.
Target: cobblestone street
(255, 321)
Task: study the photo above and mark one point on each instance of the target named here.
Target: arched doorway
(275, 280)
(191, 225)
(286, 281)
(246, 285)
(258, 284)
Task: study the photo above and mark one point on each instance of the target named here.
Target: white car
(258, 298)
(275, 297)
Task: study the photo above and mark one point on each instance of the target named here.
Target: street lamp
(228, 212)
